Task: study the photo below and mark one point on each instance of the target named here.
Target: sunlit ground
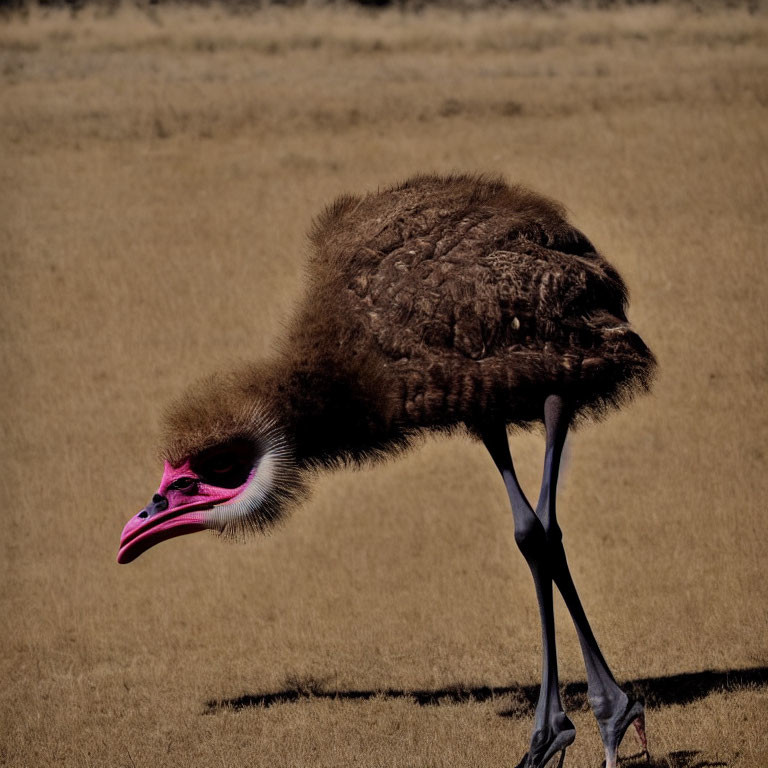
(157, 177)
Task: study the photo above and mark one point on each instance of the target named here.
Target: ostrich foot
(612, 730)
(548, 741)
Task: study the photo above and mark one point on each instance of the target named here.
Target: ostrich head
(228, 468)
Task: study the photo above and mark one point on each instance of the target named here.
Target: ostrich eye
(183, 484)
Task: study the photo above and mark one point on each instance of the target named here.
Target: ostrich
(444, 303)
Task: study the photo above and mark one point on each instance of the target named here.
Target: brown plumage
(439, 303)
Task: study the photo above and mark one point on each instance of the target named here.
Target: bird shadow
(519, 700)
(683, 758)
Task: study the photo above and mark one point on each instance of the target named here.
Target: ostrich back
(469, 301)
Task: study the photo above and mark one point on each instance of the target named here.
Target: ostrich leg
(553, 731)
(614, 710)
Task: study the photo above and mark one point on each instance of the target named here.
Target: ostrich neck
(333, 409)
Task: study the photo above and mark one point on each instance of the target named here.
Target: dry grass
(157, 176)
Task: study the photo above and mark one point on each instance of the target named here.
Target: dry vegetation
(157, 176)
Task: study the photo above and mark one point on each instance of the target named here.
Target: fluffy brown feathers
(443, 302)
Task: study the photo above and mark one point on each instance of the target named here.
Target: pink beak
(141, 534)
(171, 513)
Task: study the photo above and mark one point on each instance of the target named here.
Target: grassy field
(158, 173)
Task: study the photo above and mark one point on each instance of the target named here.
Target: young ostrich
(441, 304)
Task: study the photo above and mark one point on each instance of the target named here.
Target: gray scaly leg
(553, 731)
(614, 710)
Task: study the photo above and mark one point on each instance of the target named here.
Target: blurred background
(160, 166)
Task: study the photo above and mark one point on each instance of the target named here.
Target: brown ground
(157, 177)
